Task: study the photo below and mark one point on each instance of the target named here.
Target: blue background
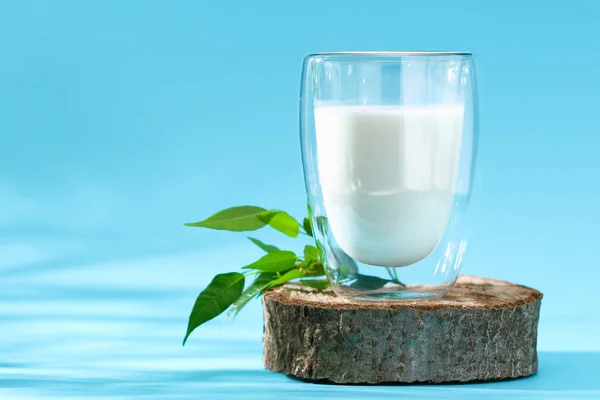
(119, 121)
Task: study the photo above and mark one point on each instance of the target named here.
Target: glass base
(352, 279)
(392, 294)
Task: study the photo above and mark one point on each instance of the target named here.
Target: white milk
(388, 175)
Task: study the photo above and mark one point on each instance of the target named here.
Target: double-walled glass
(388, 147)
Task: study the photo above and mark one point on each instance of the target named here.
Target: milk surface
(388, 175)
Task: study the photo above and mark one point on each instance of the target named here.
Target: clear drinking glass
(388, 147)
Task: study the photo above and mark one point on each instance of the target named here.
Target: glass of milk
(388, 147)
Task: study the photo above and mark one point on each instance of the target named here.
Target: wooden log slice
(482, 330)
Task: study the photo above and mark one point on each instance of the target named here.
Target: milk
(387, 176)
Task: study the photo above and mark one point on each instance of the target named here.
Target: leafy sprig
(226, 291)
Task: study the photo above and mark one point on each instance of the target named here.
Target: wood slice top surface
(469, 293)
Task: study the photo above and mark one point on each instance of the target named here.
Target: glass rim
(389, 55)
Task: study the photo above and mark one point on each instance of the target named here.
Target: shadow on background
(562, 375)
(559, 371)
(568, 375)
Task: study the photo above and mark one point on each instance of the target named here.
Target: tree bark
(482, 330)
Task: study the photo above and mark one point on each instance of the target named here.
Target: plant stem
(390, 273)
(393, 274)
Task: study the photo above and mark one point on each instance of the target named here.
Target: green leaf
(315, 269)
(266, 247)
(277, 261)
(368, 282)
(220, 293)
(288, 276)
(310, 253)
(322, 225)
(319, 284)
(281, 221)
(320, 251)
(307, 227)
(348, 267)
(237, 219)
(259, 284)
